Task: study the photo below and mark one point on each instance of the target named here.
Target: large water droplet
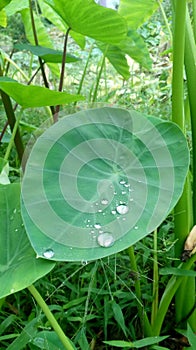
(122, 209)
(105, 239)
(122, 182)
(97, 226)
(104, 201)
(48, 254)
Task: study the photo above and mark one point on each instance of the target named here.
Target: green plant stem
(155, 282)
(194, 17)
(14, 131)
(165, 20)
(57, 109)
(85, 70)
(37, 43)
(12, 121)
(170, 290)
(145, 324)
(190, 59)
(98, 78)
(65, 341)
(178, 64)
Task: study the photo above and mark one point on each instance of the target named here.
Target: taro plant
(97, 181)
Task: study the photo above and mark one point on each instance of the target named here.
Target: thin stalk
(190, 66)
(98, 78)
(178, 64)
(194, 17)
(165, 20)
(14, 131)
(155, 282)
(12, 120)
(65, 341)
(37, 43)
(85, 70)
(4, 130)
(145, 324)
(62, 73)
(170, 290)
(10, 61)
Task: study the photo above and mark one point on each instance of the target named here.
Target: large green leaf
(47, 54)
(53, 17)
(90, 19)
(16, 6)
(117, 58)
(29, 96)
(137, 12)
(4, 3)
(19, 267)
(3, 18)
(42, 35)
(133, 46)
(99, 180)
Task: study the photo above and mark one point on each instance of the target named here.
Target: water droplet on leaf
(48, 254)
(122, 182)
(97, 226)
(105, 239)
(104, 201)
(122, 209)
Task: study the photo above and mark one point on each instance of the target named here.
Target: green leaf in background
(136, 344)
(117, 58)
(53, 17)
(4, 172)
(42, 35)
(4, 3)
(137, 12)
(19, 267)
(16, 6)
(26, 336)
(90, 19)
(177, 272)
(96, 182)
(48, 341)
(47, 54)
(35, 96)
(191, 337)
(3, 18)
(118, 315)
(133, 46)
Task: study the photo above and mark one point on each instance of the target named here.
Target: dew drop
(113, 212)
(12, 290)
(48, 254)
(124, 192)
(122, 182)
(16, 230)
(136, 227)
(122, 209)
(14, 211)
(126, 185)
(84, 262)
(99, 210)
(104, 201)
(97, 226)
(105, 239)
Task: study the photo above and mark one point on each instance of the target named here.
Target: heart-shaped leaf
(47, 54)
(99, 180)
(19, 267)
(90, 19)
(29, 96)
